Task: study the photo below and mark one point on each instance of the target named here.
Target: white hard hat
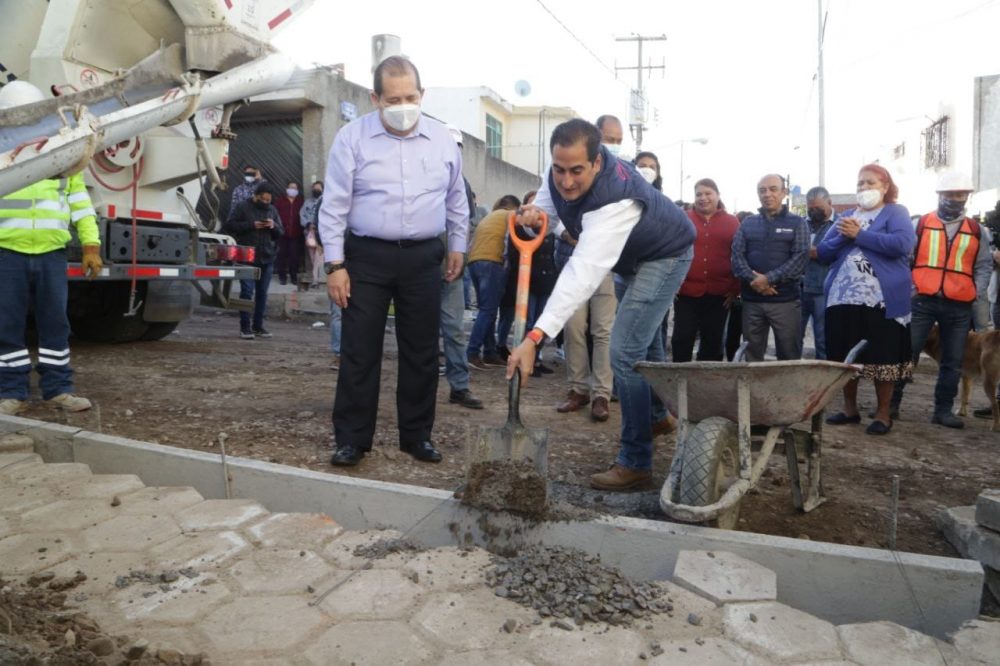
(456, 133)
(954, 181)
(17, 93)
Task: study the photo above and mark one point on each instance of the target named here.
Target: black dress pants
(408, 274)
(698, 316)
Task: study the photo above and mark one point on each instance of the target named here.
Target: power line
(578, 40)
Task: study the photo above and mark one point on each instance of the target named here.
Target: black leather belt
(402, 242)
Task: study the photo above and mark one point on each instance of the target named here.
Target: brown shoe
(574, 401)
(621, 478)
(665, 426)
(599, 410)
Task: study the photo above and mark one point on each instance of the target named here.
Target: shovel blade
(511, 442)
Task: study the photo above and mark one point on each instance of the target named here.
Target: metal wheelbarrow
(720, 407)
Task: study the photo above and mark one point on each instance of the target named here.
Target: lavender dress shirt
(393, 188)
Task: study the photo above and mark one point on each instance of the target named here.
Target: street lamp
(702, 141)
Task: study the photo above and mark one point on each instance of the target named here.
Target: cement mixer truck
(138, 96)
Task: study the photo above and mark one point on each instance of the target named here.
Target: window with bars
(494, 137)
(936, 144)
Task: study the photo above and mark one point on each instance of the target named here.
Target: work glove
(92, 263)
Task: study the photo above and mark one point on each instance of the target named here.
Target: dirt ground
(271, 400)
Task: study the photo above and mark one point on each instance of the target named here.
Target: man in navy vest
(770, 253)
(620, 224)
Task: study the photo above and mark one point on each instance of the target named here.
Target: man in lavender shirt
(393, 185)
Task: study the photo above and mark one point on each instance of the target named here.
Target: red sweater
(289, 212)
(711, 269)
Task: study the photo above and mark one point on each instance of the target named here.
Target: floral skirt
(886, 358)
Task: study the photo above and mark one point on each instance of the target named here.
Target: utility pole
(637, 126)
(821, 20)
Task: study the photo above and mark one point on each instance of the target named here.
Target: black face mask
(949, 209)
(817, 215)
(317, 193)
(261, 205)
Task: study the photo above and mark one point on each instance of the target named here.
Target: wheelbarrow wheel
(710, 463)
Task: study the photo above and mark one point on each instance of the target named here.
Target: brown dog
(982, 359)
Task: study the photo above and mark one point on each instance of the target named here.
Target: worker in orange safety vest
(952, 264)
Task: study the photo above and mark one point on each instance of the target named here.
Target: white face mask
(613, 148)
(401, 117)
(868, 199)
(648, 173)
(292, 192)
(248, 179)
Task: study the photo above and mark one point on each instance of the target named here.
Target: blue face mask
(613, 148)
(949, 209)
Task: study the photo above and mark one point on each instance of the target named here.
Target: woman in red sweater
(710, 286)
(292, 244)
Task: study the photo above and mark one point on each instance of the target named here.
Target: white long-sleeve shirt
(602, 239)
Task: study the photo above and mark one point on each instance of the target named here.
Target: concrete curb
(841, 584)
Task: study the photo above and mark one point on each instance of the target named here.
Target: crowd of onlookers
(868, 273)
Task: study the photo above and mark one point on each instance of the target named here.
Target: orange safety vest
(943, 267)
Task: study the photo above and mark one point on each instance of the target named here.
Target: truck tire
(710, 463)
(158, 330)
(97, 312)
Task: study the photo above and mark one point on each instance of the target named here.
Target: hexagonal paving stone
(130, 533)
(707, 651)
(675, 623)
(279, 571)
(369, 643)
(262, 623)
(449, 568)
(340, 552)
(483, 658)
(28, 553)
(104, 486)
(978, 641)
(311, 531)
(878, 643)
(182, 601)
(48, 473)
(723, 577)
(15, 500)
(15, 443)
(199, 550)
(100, 568)
(67, 515)
(780, 632)
(157, 501)
(219, 514)
(9, 459)
(590, 644)
(470, 620)
(375, 594)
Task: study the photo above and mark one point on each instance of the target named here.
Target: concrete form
(840, 584)
(988, 509)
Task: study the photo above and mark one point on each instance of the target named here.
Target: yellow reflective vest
(36, 219)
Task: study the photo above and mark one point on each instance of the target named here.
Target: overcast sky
(740, 74)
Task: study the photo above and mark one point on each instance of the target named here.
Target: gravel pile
(385, 547)
(563, 583)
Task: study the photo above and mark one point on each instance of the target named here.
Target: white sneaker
(70, 403)
(11, 406)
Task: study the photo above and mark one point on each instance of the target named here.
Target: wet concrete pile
(571, 585)
(385, 547)
(506, 485)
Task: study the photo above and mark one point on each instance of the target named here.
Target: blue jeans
(336, 315)
(953, 319)
(648, 295)
(467, 287)
(489, 279)
(814, 307)
(34, 281)
(456, 367)
(258, 290)
(656, 353)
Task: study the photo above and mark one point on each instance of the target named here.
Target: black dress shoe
(422, 451)
(347, 455)
(465, 399)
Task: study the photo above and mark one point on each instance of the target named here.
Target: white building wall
(461, 107)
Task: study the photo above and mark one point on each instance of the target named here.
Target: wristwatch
(333, 266)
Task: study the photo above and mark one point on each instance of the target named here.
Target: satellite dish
(522, 88)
